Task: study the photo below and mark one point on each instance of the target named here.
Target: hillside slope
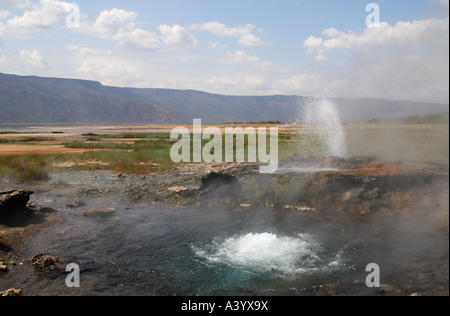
(36, 100)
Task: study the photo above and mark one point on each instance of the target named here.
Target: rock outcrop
(13, 202)
(11, 292)
(46, 262)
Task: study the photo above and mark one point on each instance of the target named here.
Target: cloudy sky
(246, 47)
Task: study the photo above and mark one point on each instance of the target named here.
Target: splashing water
(263, 252)
(323, 115)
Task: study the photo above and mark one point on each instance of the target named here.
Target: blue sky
(264, 47)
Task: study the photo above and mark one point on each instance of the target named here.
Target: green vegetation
(97, 145)
(26, 140)
(143, 153)
(24, 168)
(15, 133)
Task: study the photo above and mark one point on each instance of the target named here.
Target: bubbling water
(263, 252)
(323, 115)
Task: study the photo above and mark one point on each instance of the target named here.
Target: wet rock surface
(99, 212)
(12, 202)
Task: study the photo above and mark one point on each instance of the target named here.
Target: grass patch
(25, 140)
(25, 168)
(165, 136)
(98, 145)
(16, 133)
(151, 151)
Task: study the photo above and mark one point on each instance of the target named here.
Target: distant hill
(215, 108)
(66, 101)
(36, 100)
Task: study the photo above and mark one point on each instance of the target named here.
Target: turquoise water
(174, 251)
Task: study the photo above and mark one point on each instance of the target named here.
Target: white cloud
(223, 30)
(241, 57)
(4, 14)
(237, 83)
(39, 16)
(81, 51)
(34, 59)
(407, 61)
(312, 84)
(109, 70)
(2, 30)
(138, 38)
(251, 40)
(2, 57)
(217, 45)
(109, 23)
(403, 34)
(121, 26)
(19, 4)
(243, 33)
(177, 35)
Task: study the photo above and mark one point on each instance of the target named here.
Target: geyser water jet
(324, 118)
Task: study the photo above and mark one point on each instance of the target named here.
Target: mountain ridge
(33, 99)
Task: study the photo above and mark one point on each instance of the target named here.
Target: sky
(393, 49)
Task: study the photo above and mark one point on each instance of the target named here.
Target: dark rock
(217, 179)
(14, 201)
(46, 262)
(219, 186)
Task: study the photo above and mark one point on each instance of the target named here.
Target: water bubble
(264, 252)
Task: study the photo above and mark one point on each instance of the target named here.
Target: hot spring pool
(152, 251)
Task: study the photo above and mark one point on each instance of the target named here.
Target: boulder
(46, 262)
(14, 201)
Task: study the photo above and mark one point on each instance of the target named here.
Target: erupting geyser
(323, 115)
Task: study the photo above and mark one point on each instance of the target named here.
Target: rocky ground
(323, 186)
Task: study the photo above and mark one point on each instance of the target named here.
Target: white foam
(263, 252)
